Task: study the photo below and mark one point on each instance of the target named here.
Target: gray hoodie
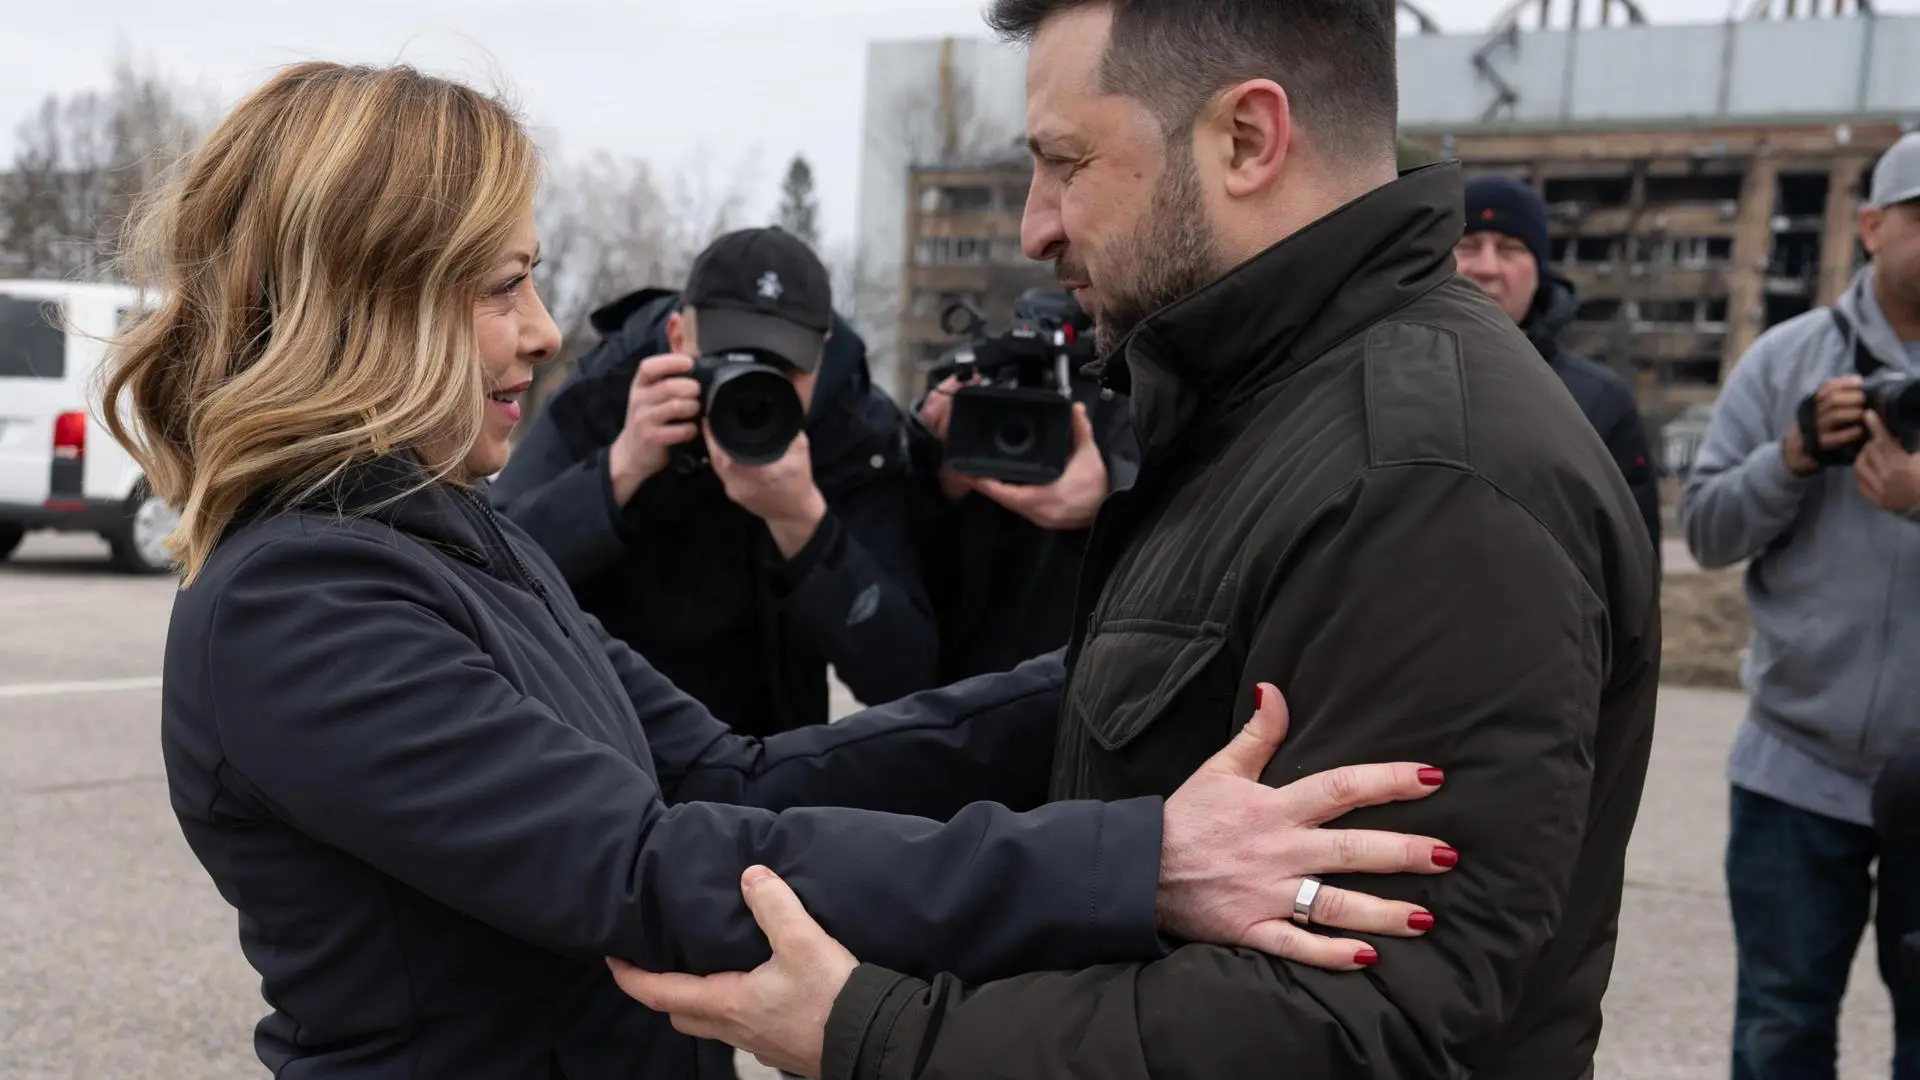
(1833, 584)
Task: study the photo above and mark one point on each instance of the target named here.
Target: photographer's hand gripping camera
(1012, 417)
(1895, 396)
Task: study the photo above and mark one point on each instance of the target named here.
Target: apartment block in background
(963, 222)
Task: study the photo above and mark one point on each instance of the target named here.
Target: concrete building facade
(1685, 244)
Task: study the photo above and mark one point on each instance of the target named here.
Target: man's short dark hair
(1335, 59)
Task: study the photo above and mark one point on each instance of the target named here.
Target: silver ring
(1303, 900)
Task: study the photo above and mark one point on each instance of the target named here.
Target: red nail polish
(1366, 958)
(1445, 856)
(1431, 777)
(1420, 920)
(1259, 696)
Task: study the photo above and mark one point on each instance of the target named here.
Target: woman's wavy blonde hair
(314, 265)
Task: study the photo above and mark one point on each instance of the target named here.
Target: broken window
(1591, 190)
(1802, 195)
(1666, 190)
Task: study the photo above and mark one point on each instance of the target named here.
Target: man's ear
(676, 333)
(1252, 127)
(1871, 218)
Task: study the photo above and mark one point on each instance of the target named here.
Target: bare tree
(843, 275)
(702, 207)
(607, 227)
(602, 225)
(799, 208)
(82, 161)
(610, 225)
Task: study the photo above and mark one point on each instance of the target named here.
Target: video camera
(1016, 422)
(1896, 397)
(752, 405)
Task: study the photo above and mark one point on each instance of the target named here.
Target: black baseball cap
(765, 291)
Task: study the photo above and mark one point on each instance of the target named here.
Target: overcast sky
(740, 83)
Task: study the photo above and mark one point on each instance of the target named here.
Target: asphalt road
(117, 958)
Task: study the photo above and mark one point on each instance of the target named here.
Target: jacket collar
(1554, 308)
(395, 490)
(1276, 312)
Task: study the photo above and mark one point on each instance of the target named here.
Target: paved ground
(117, 959)
(1675, 557)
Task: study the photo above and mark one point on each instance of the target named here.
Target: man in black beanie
(1504, 251)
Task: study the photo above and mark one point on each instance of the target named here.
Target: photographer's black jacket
(692, 581)
(1001, 586)
(1603, 396)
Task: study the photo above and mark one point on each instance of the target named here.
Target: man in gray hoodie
(1833, 587)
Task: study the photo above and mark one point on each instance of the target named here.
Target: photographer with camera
(1009, 493)
(1807, 471)
(726, 490)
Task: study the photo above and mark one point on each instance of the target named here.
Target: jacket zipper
(520, 567)
(581, 648)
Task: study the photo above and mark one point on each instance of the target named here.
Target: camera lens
(752, 417)
(755, 413)
(1899, 406)
(1014, 437)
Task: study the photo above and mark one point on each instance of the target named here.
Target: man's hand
(1887, 474)
(1234, 851)
(936, 412)
(781, 493)
(1071, 501)
(778, 1011)
(662, 404)
(1840, 407)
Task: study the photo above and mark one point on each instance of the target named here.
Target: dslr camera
(1015, 423)
(1895, 396)
(751, 404)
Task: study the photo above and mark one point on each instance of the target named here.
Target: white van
(59, 468)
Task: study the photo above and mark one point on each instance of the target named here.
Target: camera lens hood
(754, 411)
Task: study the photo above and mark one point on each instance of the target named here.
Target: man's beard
(1170, 254)
(1898, 287)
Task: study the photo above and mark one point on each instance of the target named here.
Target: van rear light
(70, 436)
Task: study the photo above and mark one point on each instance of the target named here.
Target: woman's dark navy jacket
(438, 794)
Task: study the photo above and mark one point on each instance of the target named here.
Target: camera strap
(1864, 362)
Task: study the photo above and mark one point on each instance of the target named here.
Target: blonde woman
(436, 793)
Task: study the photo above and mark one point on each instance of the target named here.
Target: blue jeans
(1801, 886)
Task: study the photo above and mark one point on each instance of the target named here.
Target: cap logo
(1487, 214)
(770, 286)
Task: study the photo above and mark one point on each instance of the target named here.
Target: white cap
(1896, 176)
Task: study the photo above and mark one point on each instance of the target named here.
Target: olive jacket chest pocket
(1152, 701)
